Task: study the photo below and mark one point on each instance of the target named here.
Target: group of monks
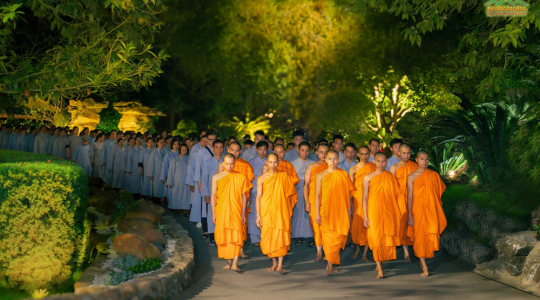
(380, 206)
(272, 192)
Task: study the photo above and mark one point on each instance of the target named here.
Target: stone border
(170, 280)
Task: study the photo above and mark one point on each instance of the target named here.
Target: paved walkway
(356, 280)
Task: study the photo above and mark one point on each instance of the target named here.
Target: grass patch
(10, 294)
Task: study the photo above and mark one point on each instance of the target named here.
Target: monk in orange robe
(276, 198)
(333, 189)
(283, 165)
(381, 212)
(228, 202)
(401, 170)
(357, 173)
(312, 171)
(426, 216)
(245, 168)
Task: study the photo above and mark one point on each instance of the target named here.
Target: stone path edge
(173, 278)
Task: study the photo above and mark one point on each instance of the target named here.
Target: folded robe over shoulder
(335, 201)
(229, 229)
(242, 166)
(428, 214)
(384, 216)
(358, 231)
(277, 204)
(288, 168)
(314, 226)
(401, 174)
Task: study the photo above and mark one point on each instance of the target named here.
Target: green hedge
(43, 227)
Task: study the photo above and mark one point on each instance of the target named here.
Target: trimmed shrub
(42, 219)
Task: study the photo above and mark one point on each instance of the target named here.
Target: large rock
(139, 212)
(135, 245)
(151, 235)
(127, 225)
(145, 205)
(103, 201)
(459, 244)
(530, 277)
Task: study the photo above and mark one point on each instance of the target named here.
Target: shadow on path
(304, 279)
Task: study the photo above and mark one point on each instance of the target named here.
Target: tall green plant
(443, 159)
(483, 135)
(109, 119)
(238, 127)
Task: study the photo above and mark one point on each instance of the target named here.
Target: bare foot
(227, 267)
(273, 268)
(425, 274)
(319, 257)
(407, 259)
(242, 254)
(380, 275)
(330, 272)
(365, 259)
(355, 254)
(236, 269)
(280, 270)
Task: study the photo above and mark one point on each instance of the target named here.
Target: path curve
(355, 280)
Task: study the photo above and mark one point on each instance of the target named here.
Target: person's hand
(318, 219)
(192, 188)
(248, 203)
(140, 172)
(207, 199)
(163, 181)
(199, 188)
(366, 222)
(214, 219)
(259, 222)
(170, 186)
(411, 220)
(151, 177)
(307, 207)
(243, 219)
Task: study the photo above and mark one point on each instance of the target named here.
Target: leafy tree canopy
(63, 49)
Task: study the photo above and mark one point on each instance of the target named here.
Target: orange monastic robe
(277, 203)
(229, 229)
(335, 201)
(314, 226)
(289, 169)
(428, 214)
(384, 216)
(245, 168)
(358, 231)
(401, 174)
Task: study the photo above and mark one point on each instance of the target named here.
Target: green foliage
(238, 128)
(147, 265)
(42, 219)
(109, 119)
(524, 153)
(487, 47)
(443, 159)
(483, 135)
(536, 228)
(66, 49)
(504, 202)
(126, 262)
(185, 127)
(123, 204)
